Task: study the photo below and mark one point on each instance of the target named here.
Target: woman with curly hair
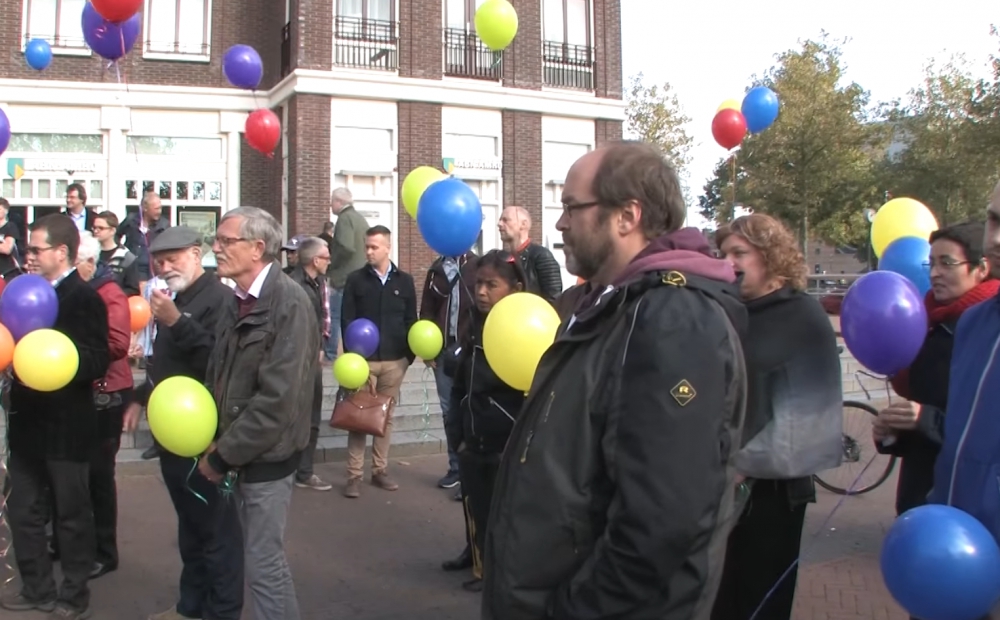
(793, 370)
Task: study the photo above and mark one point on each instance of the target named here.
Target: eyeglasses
(946, 263)
(228, 241)
(570, 208)
(100, 228)
(34, 250)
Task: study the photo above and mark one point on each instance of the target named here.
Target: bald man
(542, 269)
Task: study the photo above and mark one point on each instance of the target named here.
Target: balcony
(565, 65)
(286, 49)
(465, 56)
(366, 44)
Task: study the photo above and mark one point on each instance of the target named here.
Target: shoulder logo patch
(683, 392)
(674, 278)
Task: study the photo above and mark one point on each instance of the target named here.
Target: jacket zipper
(968, 423)
(502, 410)
(531, 433)
(472, 377)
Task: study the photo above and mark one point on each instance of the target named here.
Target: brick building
(367, 90)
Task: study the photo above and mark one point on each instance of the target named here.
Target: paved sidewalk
(378, 558)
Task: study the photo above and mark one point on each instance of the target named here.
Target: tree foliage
(653, 114)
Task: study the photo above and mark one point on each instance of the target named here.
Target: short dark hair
(378, 230)
(969, 235)
(109, 218)
(506, 265)
(632, 170)
(4, 203)
(81, 191)
(59, 230)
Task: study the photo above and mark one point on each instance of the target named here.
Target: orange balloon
(139, 309)
(6, 348)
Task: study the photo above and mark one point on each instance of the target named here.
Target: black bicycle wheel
(858, 450)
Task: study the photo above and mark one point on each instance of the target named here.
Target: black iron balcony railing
(286, 49)
(366, 43)
(568, 66)
(466, 56)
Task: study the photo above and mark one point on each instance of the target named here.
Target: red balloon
(728, 128)
(116, 11)
(263, 131)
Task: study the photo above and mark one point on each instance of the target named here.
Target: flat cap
(175, 238)
(294, 243)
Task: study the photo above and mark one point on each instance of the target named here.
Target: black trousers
(31, 481)
(103, 489)
(305, 471)
(478, 471)
(210, 540)
(762, 546)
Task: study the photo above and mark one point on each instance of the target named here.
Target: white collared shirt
(65, 274)
(80, 220)
(258, 284)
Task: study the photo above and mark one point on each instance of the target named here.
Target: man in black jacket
(309, 272)
(616, 490)
(209, 535)
(52, 436)
(140, 229)
(384, 295)
(542, 269)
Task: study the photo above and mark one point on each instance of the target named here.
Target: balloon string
(6, 545)
(813, 538)
(187, 482)
(732, 182)
(425, 406)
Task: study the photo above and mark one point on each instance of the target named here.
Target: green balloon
(351, 371)
(496, 24)
(425, 339)
(182, 416)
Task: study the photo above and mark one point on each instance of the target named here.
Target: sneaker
(450, 480)
(18, 602)
(152, 452)
(63, 612)
(458, 495)
(313, 482)
(353, 488)
(384, 482)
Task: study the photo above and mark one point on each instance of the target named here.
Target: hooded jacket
(615, 493)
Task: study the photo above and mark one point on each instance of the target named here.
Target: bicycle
(860, 476)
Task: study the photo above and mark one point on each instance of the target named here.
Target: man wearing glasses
(121, 262)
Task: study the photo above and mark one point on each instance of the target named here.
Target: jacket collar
(192, 291)
(266, 300)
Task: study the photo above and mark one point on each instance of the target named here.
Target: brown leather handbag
(363, 411)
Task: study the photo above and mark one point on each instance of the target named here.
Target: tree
(654, 115)
(815, 167)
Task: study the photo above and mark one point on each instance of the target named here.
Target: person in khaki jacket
(347, 255)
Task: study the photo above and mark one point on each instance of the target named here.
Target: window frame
(588, 4)
(204, 57)
(58, 50)
(338, 11)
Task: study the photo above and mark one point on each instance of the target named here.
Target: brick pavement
(378, 558)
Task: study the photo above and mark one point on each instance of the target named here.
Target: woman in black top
(487, 407)
(792, 362)
(10, 237)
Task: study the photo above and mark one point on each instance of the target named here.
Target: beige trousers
(388, 380)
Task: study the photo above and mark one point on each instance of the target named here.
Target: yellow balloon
(729, 104)
(351, 371)
(46, 360)
(182, 416)
(496, 24)
(518, 331)
(414, 185)
(901, 217)
(425, 339)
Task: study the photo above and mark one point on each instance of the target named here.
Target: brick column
(421, 43)
(260, 177)
(522, 164)
(419, 126)
(608, 48)
(522, 61)
(308, 164)
(312, 35)
(607, 131)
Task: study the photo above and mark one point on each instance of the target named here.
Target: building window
(568, 53)
(56, 143)
(178, 197)
(56, 21)
(178, 29)
(366, 35)
(200, 149)
(465, 55)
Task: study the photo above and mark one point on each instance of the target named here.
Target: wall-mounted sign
(17, 167)
(451, 164)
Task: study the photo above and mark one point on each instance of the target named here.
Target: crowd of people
(659, 466)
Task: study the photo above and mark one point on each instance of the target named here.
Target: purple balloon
(108, 40)
(884, 321)
(361, 337)
(28, 303)
(243, 67)
(4, 132)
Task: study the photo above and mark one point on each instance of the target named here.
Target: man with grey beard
(209, 536)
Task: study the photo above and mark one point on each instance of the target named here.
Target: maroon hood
(685, 250)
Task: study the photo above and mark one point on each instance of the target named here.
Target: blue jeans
(444, 384)
(336, 304)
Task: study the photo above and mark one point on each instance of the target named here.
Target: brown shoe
(384, 482)
(353, 488)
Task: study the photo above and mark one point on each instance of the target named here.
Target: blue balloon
(28, 303)
(450, 217)
(908, 256)
(940, 563)
(38, 54)
(760, 108)
(243, 67)
(884, 321)
(4, 132)
(107, 40)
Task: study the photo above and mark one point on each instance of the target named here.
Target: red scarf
(939, 313)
